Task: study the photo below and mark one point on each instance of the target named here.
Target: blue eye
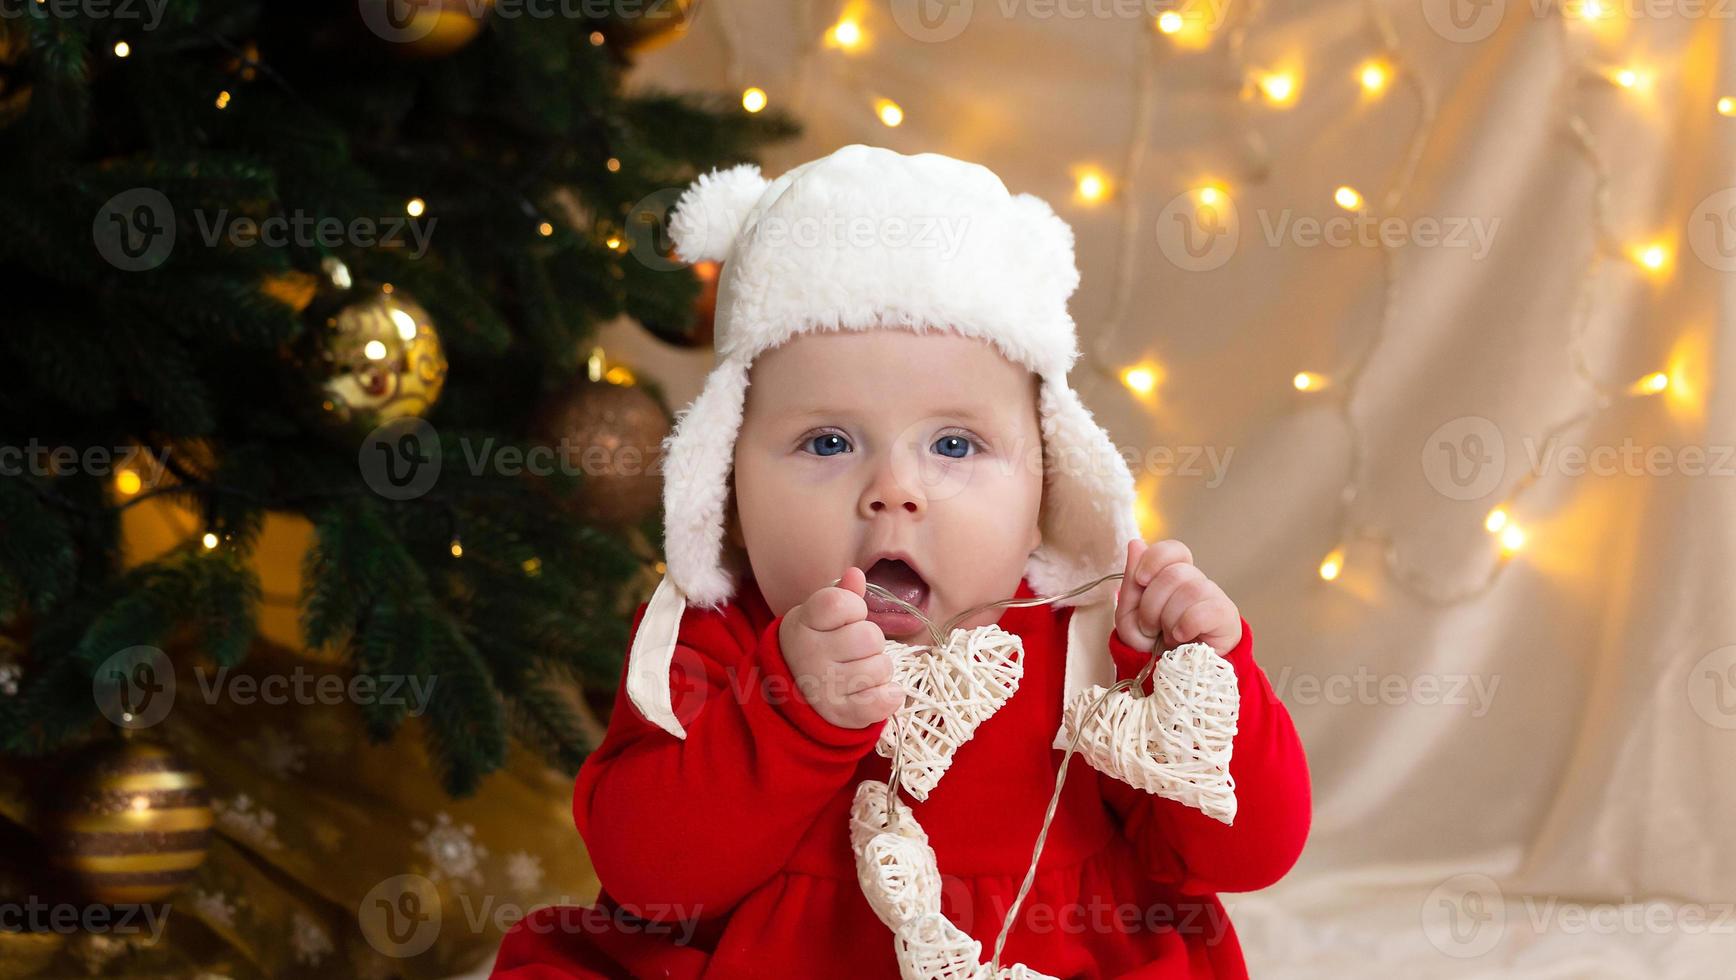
(947, 444)
(829, 444)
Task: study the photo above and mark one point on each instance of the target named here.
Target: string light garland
(1651, 258)
(1277, 86)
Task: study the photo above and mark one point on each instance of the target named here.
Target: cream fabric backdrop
(1537, 781)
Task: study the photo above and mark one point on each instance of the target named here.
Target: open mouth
(897, 577)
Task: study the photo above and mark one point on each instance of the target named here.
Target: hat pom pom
(709, 215)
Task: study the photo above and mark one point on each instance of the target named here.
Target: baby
(889, 412)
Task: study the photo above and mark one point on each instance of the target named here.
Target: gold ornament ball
(651, 26)
(131, 824)
(425, 28)
(612, 435)
(380, 358)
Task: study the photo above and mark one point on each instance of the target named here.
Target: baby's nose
(891, 491)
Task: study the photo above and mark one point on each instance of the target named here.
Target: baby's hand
(838, 657)
(1163, 590)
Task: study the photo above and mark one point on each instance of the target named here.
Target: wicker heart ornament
(1174, 742)
(900, 877)
(950, 690)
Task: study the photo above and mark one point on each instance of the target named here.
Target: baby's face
(858, 443)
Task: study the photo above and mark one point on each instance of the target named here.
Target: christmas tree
(287, 258)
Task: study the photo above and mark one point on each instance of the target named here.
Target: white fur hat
(868, 238)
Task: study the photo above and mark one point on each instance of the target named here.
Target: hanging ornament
(949, 690)
(611, 434)
(701, 333)
(424, 28)
(649, 27)
(14, 81)
(376, 354)
(131, 822)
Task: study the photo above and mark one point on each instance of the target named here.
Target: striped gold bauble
(131, 822)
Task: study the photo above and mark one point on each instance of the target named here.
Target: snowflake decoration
(525, 871)
(452, 849)
(277, 753)
(214, 907)
(255, 826)
(309, 939)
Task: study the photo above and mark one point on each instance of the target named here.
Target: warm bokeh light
(1139, 380)
(1190, 26)
(1092, 186)
(1374, 76)
(753, 99)
(1653, 257)
(545, 229)
(1211, 195)
(223, 99)
(1308, 381)
(456, 548)
(846, 34)
(889, 112)
(1348, 198)
(1332, 564)
(1278, 87)
(122, 49)
(1632, 79)
(127, 483)
(1726, 106)
(415, 207)
(209, 541)
(1496, 520)
(1512, 539)
(1651, 384)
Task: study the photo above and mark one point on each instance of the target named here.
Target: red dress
(727, 855)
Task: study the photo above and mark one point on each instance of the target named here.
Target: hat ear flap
(709, 215)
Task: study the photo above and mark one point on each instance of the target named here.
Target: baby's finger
(1183, 598)
(1158, 594)
(874, 704)
(856, 641)
(832, 608)
(1128, 593)
(867, 673)
(1158, 557)
(854, 580)
(1211, 620)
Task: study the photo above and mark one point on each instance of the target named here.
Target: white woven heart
(900, 877)
(950, 691)
(896, 868)
(1174, 742)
